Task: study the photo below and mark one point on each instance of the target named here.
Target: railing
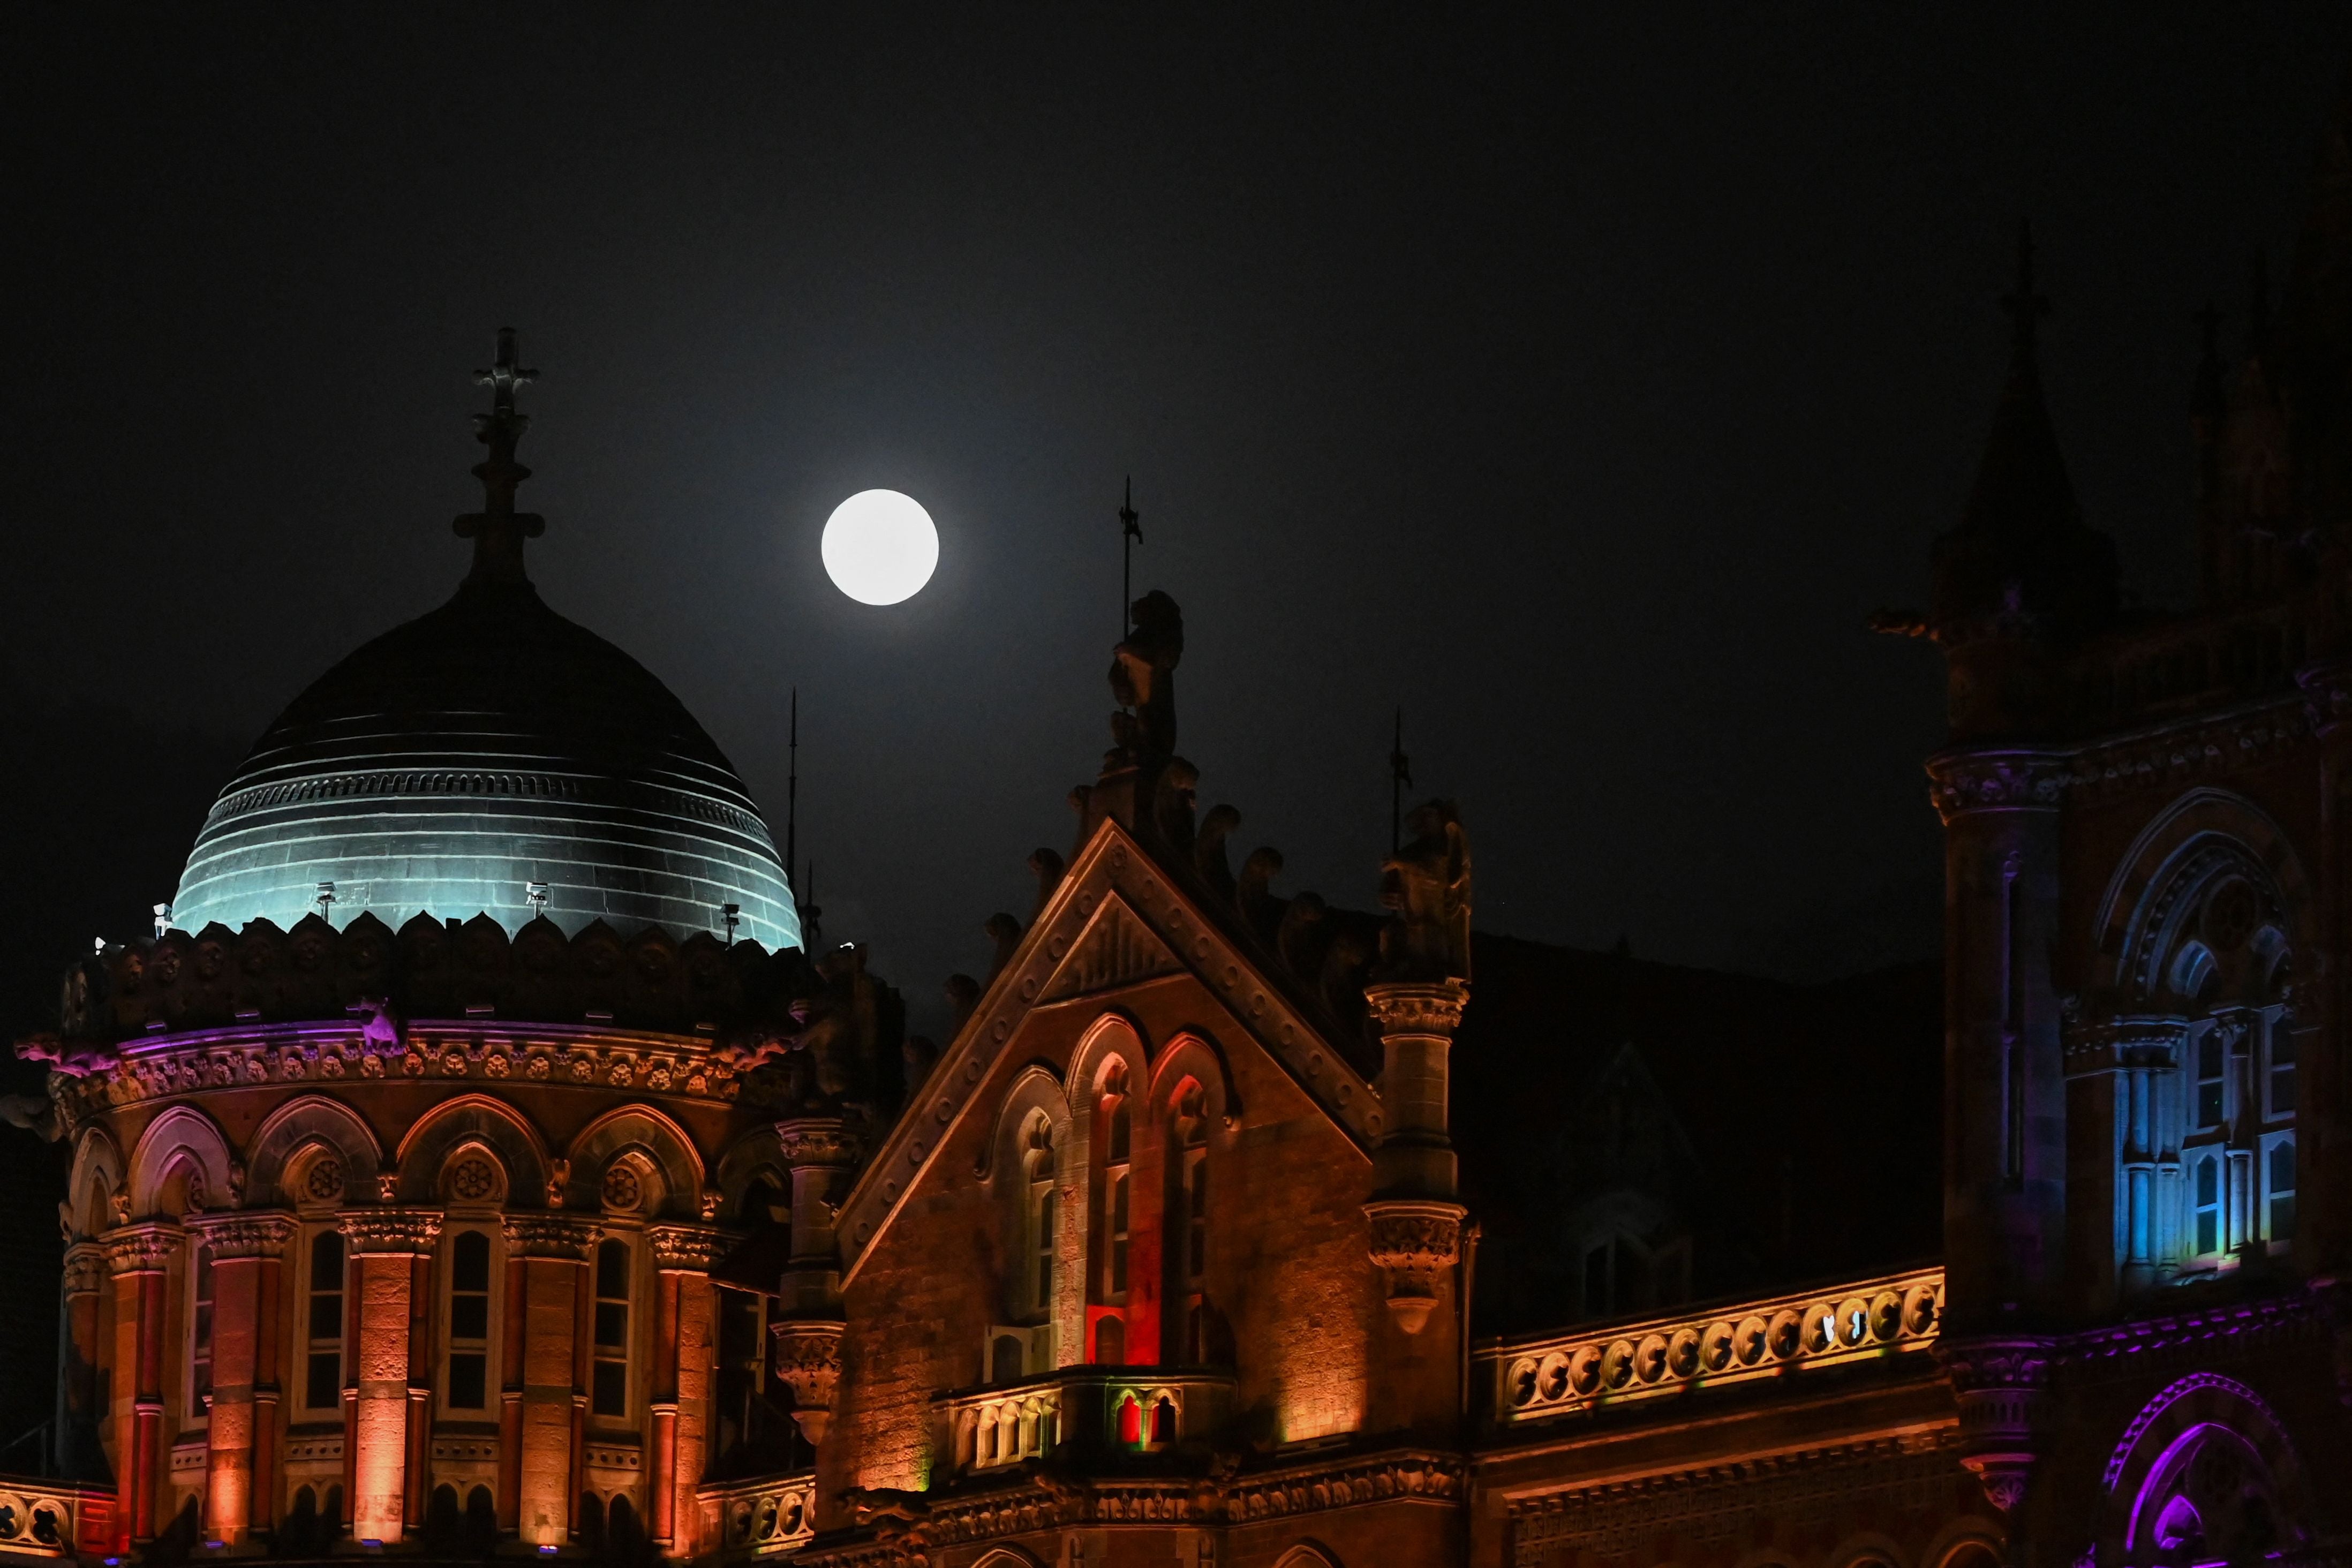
(760, 1517)
(1142, 1409)
(52, 1518)
(1614, 1362)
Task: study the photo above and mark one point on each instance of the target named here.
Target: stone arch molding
(97, 1177)
(1307, 1554)
(1035, 1090)
(2204, 837)
(1194, 1054)
(652, 1144)
(311, 1121)
(2205, 1471)
(1008, 1557)
(183, 1135)
(472, 1119)
(755, 1156)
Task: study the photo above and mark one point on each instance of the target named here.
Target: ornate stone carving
(1413, 1242)
(86, 1268)
(622, 1191)
(473, 1180)
(140, 1249)
(817, 1141)
(551, 1236)
(323, 1183)
(389, 1232)
(2001, 1384)
(1426, 887)
(245, 1235)
(1962, 782)
(1143, 682)
(808, 1362)
(1426, 1008)
(687, 1246)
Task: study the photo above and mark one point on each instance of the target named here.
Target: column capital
(808, 1362)
(1426, 1007)
(687, 1248)
(2001, 1383)
(551, 1236)
(262, 1234)
(390, 1233)
(86, 1268)
(817, 1141)
(143, 1248)
(1995, 779)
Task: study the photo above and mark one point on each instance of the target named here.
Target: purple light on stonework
(547, 1552)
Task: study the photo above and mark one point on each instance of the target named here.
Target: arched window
(1041, 1213)
(200, 1334)
(2208, 1195)
(609, 1395)
(323, 1379)
(1187, 1208)
(469, 1322)
(1119, 1196)
(2279, 1178)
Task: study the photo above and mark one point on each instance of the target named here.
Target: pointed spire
(2022, 549)
(2207, 401)
(497, 529)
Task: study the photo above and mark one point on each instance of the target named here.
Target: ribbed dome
(453, 762)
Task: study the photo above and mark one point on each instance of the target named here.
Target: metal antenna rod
(1400, 776)
(1129, 537)
(792, 786)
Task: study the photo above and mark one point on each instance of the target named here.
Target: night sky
(1581, 386)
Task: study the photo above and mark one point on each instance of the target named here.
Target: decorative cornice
(2001, 1383)
(144, 1249)
(2180, 755)
(817, 1141)
(389, 1232)
(562, 1235)
(257, 1235)
(688, 1247)
(1426, 1007)
(2095, 1046)
(1960, 783)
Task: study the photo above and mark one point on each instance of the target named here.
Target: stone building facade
(593, 1215)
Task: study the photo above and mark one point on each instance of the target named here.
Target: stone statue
(1426, 884)
(1143, 678)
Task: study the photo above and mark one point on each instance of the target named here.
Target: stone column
(2005, 1146)
(1416, 1224)
(681, 1407)
(2004, 1105)
(554, 1250)
(269, 1286)
(823, 1154)
(239, 1243)
(138, 1257)
(384, 1245)
(78, 1355)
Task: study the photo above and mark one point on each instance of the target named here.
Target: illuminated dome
(491, 757)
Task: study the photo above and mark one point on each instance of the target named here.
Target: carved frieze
(688, 1247)
(563, 1235)
(389, 1232)
(1427, 1007)
(141, 1248)
(817, 1141)
(2095, 1046)
(1963, 782)
(2173, 758)
(244, 1235)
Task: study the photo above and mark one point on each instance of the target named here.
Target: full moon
(879, 547)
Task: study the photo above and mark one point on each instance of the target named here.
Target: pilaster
(680, 1439)
(139, 1257)
(234, 1429)
(384, 1245)
(552, 1250)
(823, 1154)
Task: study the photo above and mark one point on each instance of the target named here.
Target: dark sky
(1581, 383)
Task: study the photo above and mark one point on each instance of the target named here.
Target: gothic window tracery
(323, 1380)
(609, 1389)
(469, 1341)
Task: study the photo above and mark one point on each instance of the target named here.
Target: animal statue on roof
(1425, 885)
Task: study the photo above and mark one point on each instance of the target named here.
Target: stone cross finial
(498, 530)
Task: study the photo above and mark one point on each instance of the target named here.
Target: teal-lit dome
(490, 757)
(476, 756)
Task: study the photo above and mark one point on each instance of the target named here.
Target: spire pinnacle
(497, 529)
(2025, 305)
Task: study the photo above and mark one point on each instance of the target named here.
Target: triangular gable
(1117, 919)
(1115, 950)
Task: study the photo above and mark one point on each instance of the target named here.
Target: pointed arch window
(2207, 1196)
(1118, 1194)
(1042, 1214)
(322, 1375)
(470, 1322)
(2279, 1181)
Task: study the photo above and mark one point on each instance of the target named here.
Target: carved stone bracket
(2002, 1384)
(1413, 1242)
(389, 1232)
(563, 1235)
(808, 1362)
(1962, 782)
(691, 1248)
(140, 1249)
(244, 1235)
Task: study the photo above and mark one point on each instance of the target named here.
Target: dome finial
(497, 529)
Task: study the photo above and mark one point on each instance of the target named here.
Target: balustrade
(1141, 1409)
(1612, 1363)
(52, 1518)
(760, 1517)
